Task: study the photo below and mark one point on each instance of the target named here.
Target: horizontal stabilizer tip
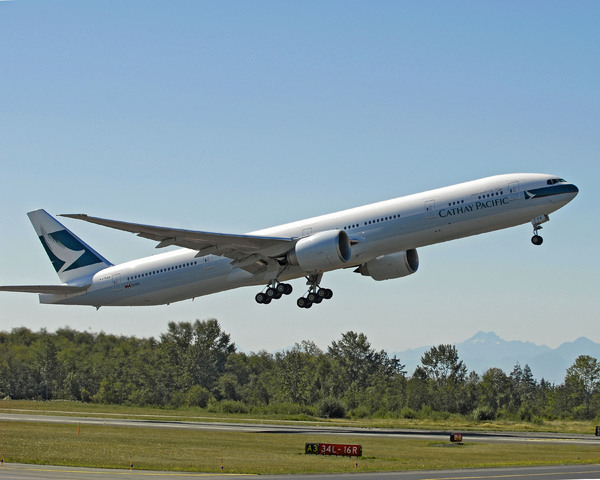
(45, 289)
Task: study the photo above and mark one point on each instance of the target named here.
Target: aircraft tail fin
(72, 258)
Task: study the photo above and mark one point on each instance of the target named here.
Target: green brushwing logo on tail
(66, 252)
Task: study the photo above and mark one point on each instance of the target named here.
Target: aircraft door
(208, 262)
(116, 281)
(430, 208)
(513, 190)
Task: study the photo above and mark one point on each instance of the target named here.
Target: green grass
(184, 450)
(206, 451)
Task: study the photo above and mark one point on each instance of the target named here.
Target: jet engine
(394, 265)
(321, 251)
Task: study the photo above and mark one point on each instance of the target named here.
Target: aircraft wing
(51, 289)
(243, 249)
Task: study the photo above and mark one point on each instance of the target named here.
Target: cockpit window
(552, 181)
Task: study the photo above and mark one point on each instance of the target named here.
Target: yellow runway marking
(513, 475)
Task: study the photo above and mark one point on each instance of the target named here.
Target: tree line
(197, 365)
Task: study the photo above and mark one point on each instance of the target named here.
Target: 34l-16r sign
(333, 449)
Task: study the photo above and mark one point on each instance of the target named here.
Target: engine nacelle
(321, 251)
(394, 265)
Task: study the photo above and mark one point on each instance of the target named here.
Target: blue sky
(234, 116)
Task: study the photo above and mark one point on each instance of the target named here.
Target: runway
(309, 428)
(42, 472)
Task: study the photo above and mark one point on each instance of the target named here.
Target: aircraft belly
(418, 231)
(161, 289)
(221, 277)
(457, 227)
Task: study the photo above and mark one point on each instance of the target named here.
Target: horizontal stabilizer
(48, 289)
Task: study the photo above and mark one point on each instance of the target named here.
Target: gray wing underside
(49, 289)
(246, 251)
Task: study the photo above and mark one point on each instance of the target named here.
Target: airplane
(379, 240)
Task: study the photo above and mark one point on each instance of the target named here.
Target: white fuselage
(377, 229)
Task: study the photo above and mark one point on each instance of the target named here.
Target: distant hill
(486, 349)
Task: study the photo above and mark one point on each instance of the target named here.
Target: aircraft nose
(572, 189)
(570, 192)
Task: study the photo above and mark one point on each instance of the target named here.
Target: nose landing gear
(537, 225)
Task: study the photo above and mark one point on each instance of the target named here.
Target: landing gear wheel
(312, 297)
(303, 302)
(271, 292)
(274, 291)
(537, 240)
(260, 297)
(325, 293)
(284, 288)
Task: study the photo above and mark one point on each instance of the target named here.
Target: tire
(260, 297)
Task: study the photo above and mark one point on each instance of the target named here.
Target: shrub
(579, 413)
(287, 408)
(360, 412)
(526, 412)
(408, 412)
(198, 396)
(537, 420)
(483, 413)
(331, 408)
(425, 412)
(232, 406)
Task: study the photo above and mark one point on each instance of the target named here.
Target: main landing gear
(274, 291)
(315, 293)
